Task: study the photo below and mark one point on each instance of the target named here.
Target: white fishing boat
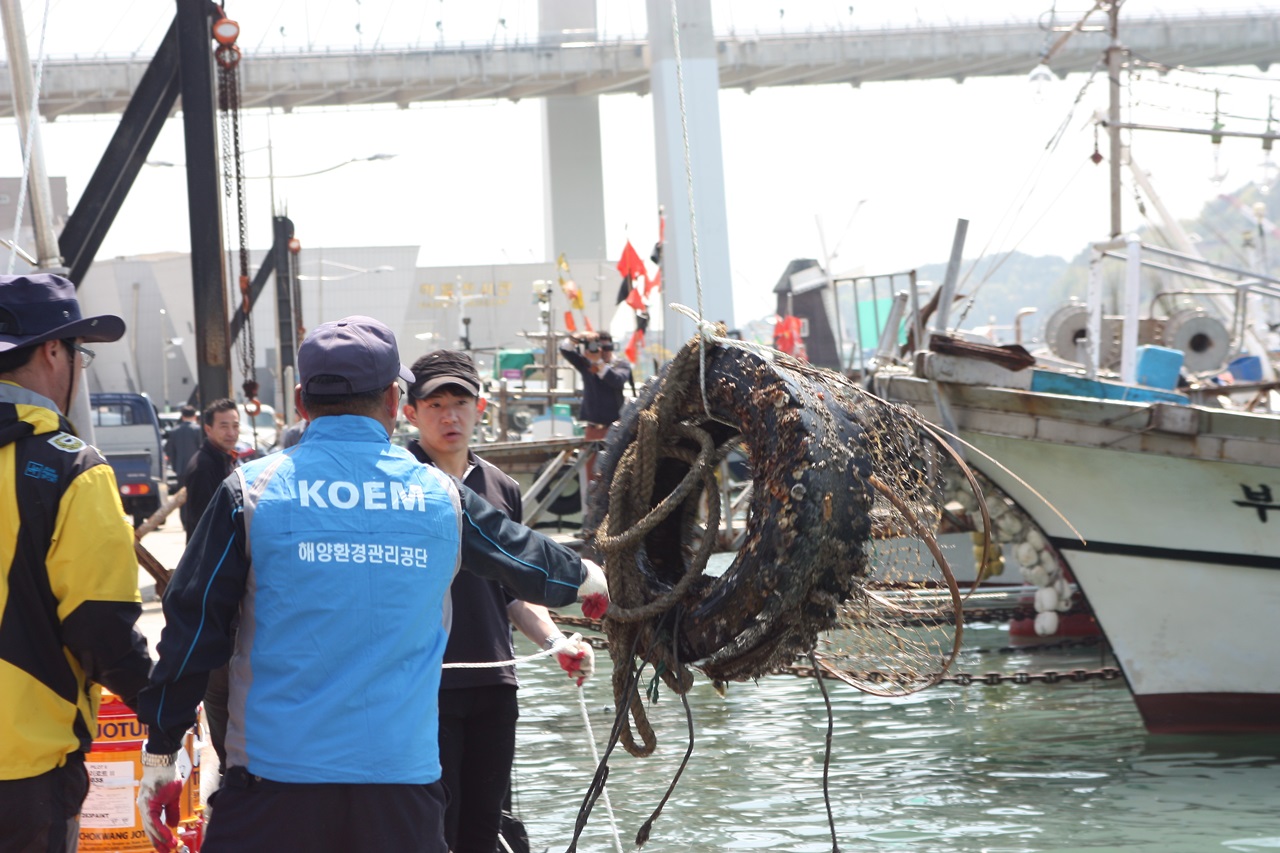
(1165, 513)
(1127, 465)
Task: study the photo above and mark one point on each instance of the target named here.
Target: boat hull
(1166, 533)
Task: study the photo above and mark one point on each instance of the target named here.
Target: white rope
(573, 638)
(582, 709)
(693, 216)
(31, 134)
(595, 758)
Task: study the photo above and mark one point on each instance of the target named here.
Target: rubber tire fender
(805, 545)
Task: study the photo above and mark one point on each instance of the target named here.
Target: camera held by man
(589, 342)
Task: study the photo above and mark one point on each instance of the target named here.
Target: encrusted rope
(630, 519)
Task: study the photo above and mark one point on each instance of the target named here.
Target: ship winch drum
(1203, 339)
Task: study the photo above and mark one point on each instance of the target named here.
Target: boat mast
(1114, 55)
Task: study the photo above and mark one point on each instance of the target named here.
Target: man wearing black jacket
(603, 381)
(478, 708)
(211, 464)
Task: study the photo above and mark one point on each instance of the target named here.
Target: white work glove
(575, 656)
(593, 592)
(158, 796)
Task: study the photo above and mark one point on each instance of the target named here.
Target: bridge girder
(293, 80)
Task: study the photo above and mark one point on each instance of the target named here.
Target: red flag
(635, 298)
(630, 266)
(652, 284)
(633, 346)
(568, 321)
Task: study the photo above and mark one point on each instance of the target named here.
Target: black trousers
(41, 814)
(477, 746)
(255, 815)
(216, 697)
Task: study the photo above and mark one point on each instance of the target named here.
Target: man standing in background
(211, 464)
(603, 381)
(182, 442)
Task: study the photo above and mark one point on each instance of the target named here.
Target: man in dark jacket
(603, 381)
(478, 709)
(211, 464)
(71, 599)
(206, 471)
(182, 442)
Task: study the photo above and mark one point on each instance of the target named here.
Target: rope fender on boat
(810, 519)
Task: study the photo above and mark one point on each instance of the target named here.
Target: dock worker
(211, 464)
(69, 591)
(205, 472)
(338, 554)
(603, 381)
(478, 708)
(183, 441)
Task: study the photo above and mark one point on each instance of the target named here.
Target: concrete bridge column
(573, 171)
(701, 74)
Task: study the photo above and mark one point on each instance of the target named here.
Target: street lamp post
(169, 345)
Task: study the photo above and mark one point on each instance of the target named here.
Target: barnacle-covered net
(900, 631)
(838, 476)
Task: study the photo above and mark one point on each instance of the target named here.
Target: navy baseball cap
(349, 356)
(41, 307)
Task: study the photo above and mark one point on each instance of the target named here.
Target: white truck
(127, 432)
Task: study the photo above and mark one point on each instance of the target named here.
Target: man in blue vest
(337, 554)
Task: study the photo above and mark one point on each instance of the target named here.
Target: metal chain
(986, 679)
(234, 177)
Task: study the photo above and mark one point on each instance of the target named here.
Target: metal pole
(835, 291)
(208, 275)
(1114, 53)
(1132, 308)
(15, 37)
(286, 324)
(164, 369)
(1093, 335)
(917, 332)
(949, 282)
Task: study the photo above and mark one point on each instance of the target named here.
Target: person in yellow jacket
(69, 600)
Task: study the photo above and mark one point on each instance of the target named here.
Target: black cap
(442, 368)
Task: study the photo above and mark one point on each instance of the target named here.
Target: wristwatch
(550, 642)
(152, 759)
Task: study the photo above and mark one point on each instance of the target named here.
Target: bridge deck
(403, 77)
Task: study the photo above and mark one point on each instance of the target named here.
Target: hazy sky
(466, 182)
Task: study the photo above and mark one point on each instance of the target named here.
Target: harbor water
(974, 769)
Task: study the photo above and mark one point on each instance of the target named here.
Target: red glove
(158, 796)
(575, 656)
(594, 591)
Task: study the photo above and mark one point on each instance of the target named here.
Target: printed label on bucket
(110, 802)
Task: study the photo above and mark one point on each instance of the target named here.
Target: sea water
(976, 769)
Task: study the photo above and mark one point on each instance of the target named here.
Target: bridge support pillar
(701, 75)
(573, 170)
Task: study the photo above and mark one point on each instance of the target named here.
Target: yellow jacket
(69, 597)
